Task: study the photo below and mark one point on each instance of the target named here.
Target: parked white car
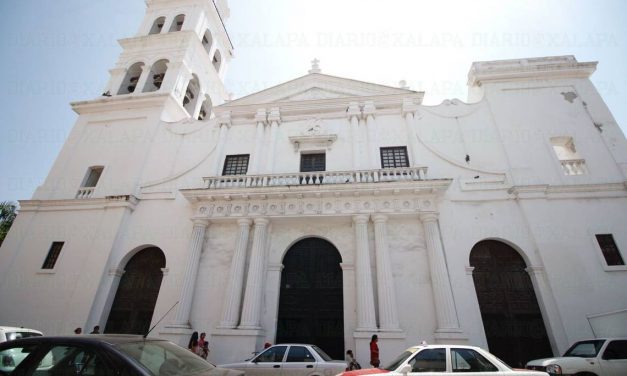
(290, 360)
(442, 360)
(594, 357)
(9, 333)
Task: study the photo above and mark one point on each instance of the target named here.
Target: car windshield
(322, 354)
(585, 349)
(164, 358)
(399, 360)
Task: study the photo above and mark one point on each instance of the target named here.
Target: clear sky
(56, 52)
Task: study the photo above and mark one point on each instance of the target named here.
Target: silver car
(290, 360)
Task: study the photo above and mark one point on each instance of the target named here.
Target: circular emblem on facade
(347, 205)
(291, 207)
(367, 205)
(309, 206)
(426, 204)
(406, 204)
(328, 205)
(255, 208)
(237, 209)
(386, 204)
(202, 210)
(220, 209)
(272, 207)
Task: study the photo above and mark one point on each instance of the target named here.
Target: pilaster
(388, 310)
(448, 329)
(251, 312)
(353, 113)
(233, 293)
(261, 118)
(366, 320)
(225, 123)
(194, 249)
(369, 114)
(275, 119)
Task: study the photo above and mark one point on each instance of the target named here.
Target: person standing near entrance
(374, 351)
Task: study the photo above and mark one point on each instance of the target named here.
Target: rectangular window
(92, 177)
(312, 162)
(392, 157)
(236, 164)
(610, 250)
(53, 255)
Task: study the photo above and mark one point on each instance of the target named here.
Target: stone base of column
(452, 336)
(235, 345)
(390, 345)
(177, 333)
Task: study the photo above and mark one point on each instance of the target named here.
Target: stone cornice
(551, 67)
(545, 191)
(384, 103)
(122, 102)
(123, 201)
(391, 198)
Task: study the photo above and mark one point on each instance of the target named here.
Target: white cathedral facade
(325, 210)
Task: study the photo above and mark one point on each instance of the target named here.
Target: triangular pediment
(315, 86)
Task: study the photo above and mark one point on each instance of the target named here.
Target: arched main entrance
(509, 308)
(311, 308)
(134, 303)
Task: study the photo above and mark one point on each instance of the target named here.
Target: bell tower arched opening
(311, 306)
(512, 319)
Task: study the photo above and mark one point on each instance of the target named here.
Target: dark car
(102, 355)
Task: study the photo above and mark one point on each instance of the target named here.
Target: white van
(8, 333)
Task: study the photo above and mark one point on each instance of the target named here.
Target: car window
(399, 360)
(322, 354)
(12, 357)
(17, 335)
(273, 354)
(467, 360)
(299, 354)
(616, 350)
(73, 360)
(429, 360)
(164, 358)
(585, 349)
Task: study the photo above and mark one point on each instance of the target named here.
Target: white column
(373, 153)
(261, 119)
(143, 77)
(353, 117)
(275, 119)
(225, 124)
(388, 311)
(409, 108)
(446, 313)
(233, 293)
(251, 311)
(194, 249)
(366, 320)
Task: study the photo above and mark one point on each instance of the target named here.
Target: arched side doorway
(311, 306)
(136, 297)
(509, 308)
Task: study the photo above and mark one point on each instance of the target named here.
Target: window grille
(392, 157)
(236, 164)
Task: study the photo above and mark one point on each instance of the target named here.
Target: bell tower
(171, 70)
(182, 50)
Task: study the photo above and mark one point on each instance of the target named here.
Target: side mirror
(405, 369)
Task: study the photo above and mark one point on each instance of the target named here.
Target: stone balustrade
(316, 178)
(574, 166)
(84, 193)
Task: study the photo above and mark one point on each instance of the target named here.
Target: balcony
(574, 166)
(316, 178)
(84, 192)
